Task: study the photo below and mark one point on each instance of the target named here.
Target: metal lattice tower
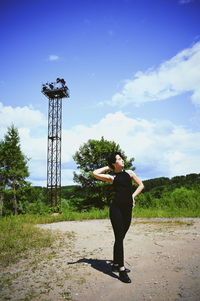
(55, 93)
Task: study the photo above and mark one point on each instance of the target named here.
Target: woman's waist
(123, 199)
(122, 204)
(123, 195)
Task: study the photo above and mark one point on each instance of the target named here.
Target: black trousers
(120, 217)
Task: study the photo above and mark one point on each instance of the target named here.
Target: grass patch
(167, 223)
(66, 215)
(163, 225)
(165, 212)
(95, 213)
(81, 281)
(17, 236)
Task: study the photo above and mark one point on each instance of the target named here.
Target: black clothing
(123, 189)
(120, 220)
(121, 213)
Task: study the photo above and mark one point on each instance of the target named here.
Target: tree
(13, 168)
(90, 156)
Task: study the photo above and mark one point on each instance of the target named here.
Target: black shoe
(115, 268)
(123, 276)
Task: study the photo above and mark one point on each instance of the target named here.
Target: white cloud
(160, 148)
(21, 117)
(34, 147)
(176, 76)
(67, 177)
(53, 57)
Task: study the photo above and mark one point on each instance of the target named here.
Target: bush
(66, 205)
(145, 200)
(79, 204)
(37, 207)
(184, 198)
(178, 198)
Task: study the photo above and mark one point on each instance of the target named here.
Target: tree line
(162, 192)
(18, 196)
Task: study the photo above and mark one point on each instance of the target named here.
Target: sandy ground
(163, 255)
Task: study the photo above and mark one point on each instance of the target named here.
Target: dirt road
(162, 254)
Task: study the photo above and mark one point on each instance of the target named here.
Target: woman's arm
(99, 174)
(137, 181)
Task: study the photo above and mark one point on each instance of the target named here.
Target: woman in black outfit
(121, 206)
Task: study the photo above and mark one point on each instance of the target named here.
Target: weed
(7, 279)
(81, 281)
(163, 222)
(66, 295)
(16, 237)
(68, 276)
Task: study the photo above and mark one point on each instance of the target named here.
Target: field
(70, 260)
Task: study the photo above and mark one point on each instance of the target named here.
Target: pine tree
(13, 168)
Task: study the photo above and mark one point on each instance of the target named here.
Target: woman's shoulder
(130, 172)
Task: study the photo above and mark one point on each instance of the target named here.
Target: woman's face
(119, 162)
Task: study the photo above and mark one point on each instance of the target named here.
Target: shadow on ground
(103, 266)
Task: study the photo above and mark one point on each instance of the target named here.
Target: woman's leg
(117, 221)
(127, 217)
(120, 220)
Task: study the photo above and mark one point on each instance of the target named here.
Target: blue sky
(133, 70)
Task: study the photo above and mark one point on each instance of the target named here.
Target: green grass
(165, 212)
(174, 222)
(17, 237)
(104, 214)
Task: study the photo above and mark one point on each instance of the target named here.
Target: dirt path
(163, 255)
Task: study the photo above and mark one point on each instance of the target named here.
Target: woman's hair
(112, 158)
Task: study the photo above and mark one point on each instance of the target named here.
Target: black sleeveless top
(123, 189)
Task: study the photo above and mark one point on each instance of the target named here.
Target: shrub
(183, 198)
(37, 207)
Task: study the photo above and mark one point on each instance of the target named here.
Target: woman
(121, 206)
